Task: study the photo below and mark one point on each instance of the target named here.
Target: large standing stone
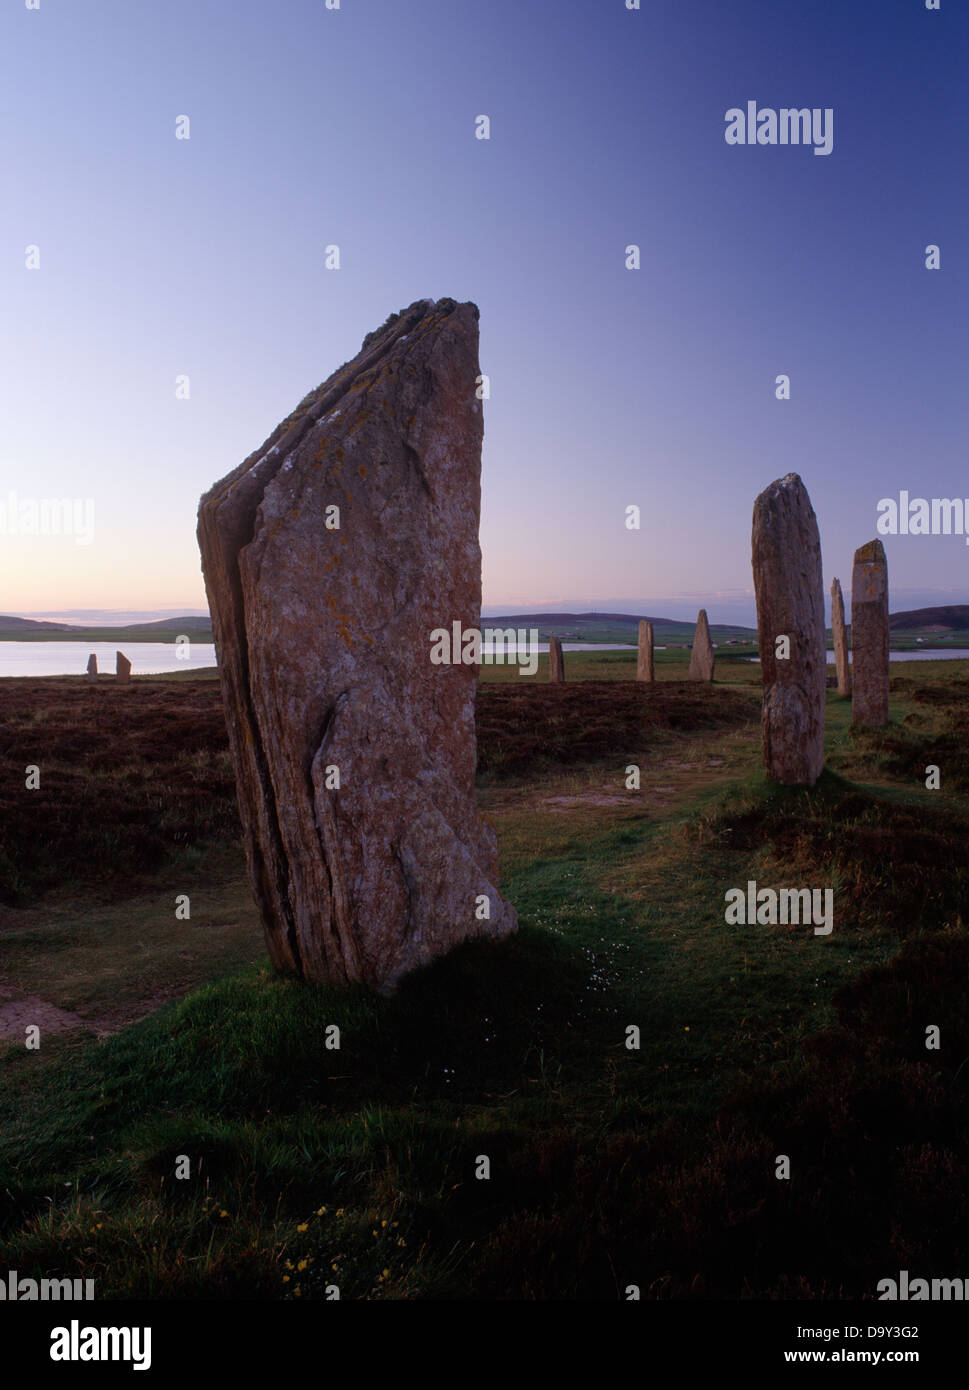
(334, 557)
(840, 634)
(701, 657)
(556, 661)
(869, 636)
(122, 668)
(92, 667)
(786, 552)
(644, 666)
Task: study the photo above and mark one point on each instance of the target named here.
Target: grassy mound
(890, 860)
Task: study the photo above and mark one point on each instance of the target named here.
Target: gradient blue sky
(609, 387)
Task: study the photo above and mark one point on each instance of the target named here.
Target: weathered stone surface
(556, 661)
(840, 634)
(869, 636)
(122, 668)
(786, 551)
(644, 665)
(701, 657)
(92, 667)
(323, 638)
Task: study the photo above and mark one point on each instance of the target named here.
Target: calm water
(487, 648)
(147, 658)
(950, 654)
(70, 658)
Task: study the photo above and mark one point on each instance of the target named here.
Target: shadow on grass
(894, 862)
(254, 1045)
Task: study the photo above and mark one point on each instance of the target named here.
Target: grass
(312, 1166)
(121, 637)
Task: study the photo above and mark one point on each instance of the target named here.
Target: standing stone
(122, 668)
(644, 666)
(869, 636)
(701, 657)
(840, 634)
(556, 661)
(338, 560)
(92, 667)
(790, 604)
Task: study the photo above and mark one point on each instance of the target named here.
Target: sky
(160, 258)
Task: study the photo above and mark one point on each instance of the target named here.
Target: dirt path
(20, 1012)
(17, 1015)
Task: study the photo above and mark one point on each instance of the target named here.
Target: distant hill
(952, 618)
(948, 618)
(165, 629)
(570, 619)
(197, 625)
(587, 627)
(613, 620)
(8, 624)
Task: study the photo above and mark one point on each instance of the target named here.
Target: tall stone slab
(644, 665)
(840, 634)
(869, 636)
(556, 661)
(701, 657)
(337, 558)
(92, 667)
(122, 668)
(786, 553)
